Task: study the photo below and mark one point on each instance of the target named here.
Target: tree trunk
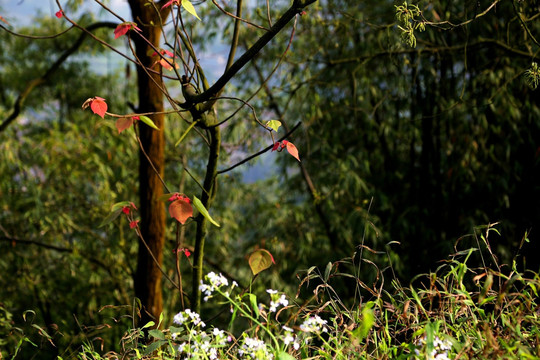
(147, 278)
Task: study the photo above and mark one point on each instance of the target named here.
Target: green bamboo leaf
(199, 205)
(148, 121)
(111, 217)
(189, 8)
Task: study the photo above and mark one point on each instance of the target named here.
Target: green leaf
(154, 346)
(254, 306)
(189, 8)
(148, 121)
(199, 205)
(260, 260)
(282, 355)
(156, 334)
(149, 324)
(273, 124)
(111, 217)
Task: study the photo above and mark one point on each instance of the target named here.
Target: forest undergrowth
(459, 311)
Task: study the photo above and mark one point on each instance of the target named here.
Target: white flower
(254, 349)
(440, 351)
(181, 347)
(179, 318)
(270, 291)
(188, 315)
(275, 304)
(314, 324)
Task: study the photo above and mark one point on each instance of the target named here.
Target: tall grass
(459, 311)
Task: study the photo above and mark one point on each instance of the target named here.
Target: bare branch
(260, 152)
(295, 9)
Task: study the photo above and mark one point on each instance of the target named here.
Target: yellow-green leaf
(260, 260)
(189, 8)
(148, 121)
(273, 124)
(199, 205)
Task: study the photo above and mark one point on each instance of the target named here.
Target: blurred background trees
(405, 149)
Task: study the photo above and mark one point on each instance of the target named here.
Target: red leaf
(170, 3)
(59, 14)
(276, 146)
(4, 20)
(292, 149)
(181, 210)
(167, 52)
(98, 106)
(121, 29)
(166, 64)
(124, 123)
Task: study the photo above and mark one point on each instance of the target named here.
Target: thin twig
(260, 152)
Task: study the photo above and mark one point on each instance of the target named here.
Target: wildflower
(440, 348)
(314, 324)
(215, 281)
(188, 315)
(281, 301)
(182, 347)
(254, 349)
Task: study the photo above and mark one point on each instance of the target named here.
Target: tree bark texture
(147, 279)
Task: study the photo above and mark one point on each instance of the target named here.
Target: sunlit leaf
(181, 210)
(98, 106)
(199, 205)
(189, 8)
(260, 260)
(148, 121)
(273, 124)
(292, 150)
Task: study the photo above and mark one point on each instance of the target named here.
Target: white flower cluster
(188, 316)
(205, 345)
(214, 281)
(254, 349)
(440, 348)
(314, 324)
(290, 338)
(276, 302)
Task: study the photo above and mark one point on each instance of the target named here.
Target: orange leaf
(98, 106)
(292, 150)
(124, 123)
(181, 210)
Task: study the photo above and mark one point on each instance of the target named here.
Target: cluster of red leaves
(166, 62)
(279, 146)
(127, 210)
(183, 250)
